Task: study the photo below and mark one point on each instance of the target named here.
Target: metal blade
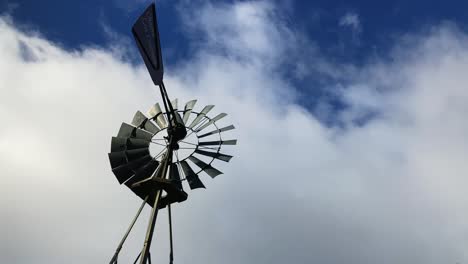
(221, 142)
(205, 167)
(143, 122)
(118, 144)
(188, 109)
(125, 171)
(214, 119)
(154, 111)
(157, 115)
(139, 119)
(192, 178)
(146, 34)
(125, 130)
(134, 143)
(134, 165)
(129, 131)
(122, 173)
(142, 134)
(143, 172)
(175, 176)
(199, 117)
(151, 127)
(215, 155)
(117, 158)
(174, 104)
(136, 153)
(217, 131)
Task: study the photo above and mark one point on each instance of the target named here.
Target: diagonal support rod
(119, 247)
(171, 254)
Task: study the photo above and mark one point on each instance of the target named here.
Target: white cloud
(391, 190)
(351, 20)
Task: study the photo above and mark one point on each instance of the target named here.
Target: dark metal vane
(151, 155)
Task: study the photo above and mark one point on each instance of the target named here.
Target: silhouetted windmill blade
(117, 158)
(217, 131)
(219, 142)
(129, 131)
(215, 155)
(119, 144)
(157, 115)
(145, 171)
(143, 122)
(127, 170)
(134, 154)
(146, 34)
(192, 178)
(135, 143)
(188, 110)
(174, 175)
(200, 116)
(214, 119)
(205, 167)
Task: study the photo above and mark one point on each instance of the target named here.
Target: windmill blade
(156, 114)
(143, 172)
(125, 130)
(139, 119)
(175, 176)
(199, 117)
(217, 143)
(143, 122)
(134, 165)
(174, 104)
(214, 119)
(136, 153)
(215, 155)
(129, 131)
(122, 173)
(142, 134)
(117, 158)
(118, 144)
(217, 131)
(151, 127)
(205, 167)
(154, 111)
(135, 143)
(146, 34)
(192, 178)
(188, 109)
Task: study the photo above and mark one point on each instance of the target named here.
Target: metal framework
(157, 177)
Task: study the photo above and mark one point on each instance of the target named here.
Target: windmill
(188, 141)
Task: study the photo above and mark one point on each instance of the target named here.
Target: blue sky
(77, 23)
(350, 120)
(348, 33)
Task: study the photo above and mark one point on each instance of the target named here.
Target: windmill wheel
(138, 149)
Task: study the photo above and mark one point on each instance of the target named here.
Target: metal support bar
(171, 254)
(116, 254)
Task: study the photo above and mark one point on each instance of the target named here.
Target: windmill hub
(185, 147)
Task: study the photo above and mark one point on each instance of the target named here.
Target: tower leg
(119, 247)
(171, 254)
(150, 230)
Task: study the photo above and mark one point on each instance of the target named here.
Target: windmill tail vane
(159, 150)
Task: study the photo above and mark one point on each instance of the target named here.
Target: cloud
(351, 20)
(388, 189)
